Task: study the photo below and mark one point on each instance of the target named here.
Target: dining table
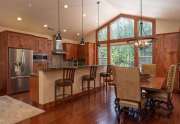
(153, 84)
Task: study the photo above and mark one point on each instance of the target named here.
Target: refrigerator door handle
(16, 77)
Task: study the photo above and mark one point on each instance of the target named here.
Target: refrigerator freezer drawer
(19, 84)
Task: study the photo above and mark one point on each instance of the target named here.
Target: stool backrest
(68, 74)
(109, 69)
(93, 70)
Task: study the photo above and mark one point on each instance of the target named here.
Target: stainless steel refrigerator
(20, 68)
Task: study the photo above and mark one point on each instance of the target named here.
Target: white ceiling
(45, 12)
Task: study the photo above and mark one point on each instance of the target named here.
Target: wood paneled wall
(166, 51)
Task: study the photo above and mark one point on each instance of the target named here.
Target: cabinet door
(14, 40)
(27, 42)
(42, 45)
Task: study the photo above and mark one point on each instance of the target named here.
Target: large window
(102, 55)
(122, 55)
(147, 28)
(122, 28)
(145, 54)
(102, 34)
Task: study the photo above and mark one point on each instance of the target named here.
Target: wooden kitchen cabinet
(9, 39)
(34, 89)
(87, 52)
(14, 40)
(71, 51)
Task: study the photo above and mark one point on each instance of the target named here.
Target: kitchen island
(42, 85)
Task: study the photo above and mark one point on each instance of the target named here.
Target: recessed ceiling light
(65, 6)
(45, 26)
(19, 18)
(64, 30)
(78, 34)
(84, 15)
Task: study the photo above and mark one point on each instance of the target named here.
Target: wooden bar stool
(106, 76)
(66, 81)
(89, 78)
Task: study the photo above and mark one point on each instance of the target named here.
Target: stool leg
(94, 84)
(82, 85)
(71, 90)
(99, 80)
(63, 92)
(88, 85)
(55, 93)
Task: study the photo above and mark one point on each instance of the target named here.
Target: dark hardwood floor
(96, 108)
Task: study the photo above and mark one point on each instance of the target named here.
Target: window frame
(136, 35)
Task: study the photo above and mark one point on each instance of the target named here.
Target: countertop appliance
(20, 68)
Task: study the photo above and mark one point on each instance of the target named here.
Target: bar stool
(66, 81)
(106, 76)
(89, 78)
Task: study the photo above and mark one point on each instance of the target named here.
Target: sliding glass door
(122, 55)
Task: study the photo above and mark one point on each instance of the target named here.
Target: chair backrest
(171, 76)
(68, 74)
(93, 70)
(127, 82)
(149, 69)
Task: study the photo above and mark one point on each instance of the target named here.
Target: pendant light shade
(58, 37)
(82, 42)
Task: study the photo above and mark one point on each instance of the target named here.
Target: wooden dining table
(153, 84)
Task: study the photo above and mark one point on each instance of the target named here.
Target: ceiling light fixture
(84, 15)
(58, 35)
(66, 6)
(64, 30)
(45, 26)
(19, 19)
(139, 42)
(78, 34)
(82, 38)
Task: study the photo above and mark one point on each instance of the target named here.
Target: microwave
(40, 57)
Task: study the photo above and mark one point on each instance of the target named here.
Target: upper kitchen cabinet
(71, 51)
(43, 45)
(87, 52)
(18, 40)
(13, 39)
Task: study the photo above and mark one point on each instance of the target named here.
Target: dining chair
(128, 90)
(149, 69)
(66, 81)
(164, 96)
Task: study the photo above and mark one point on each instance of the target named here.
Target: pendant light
(141, 43)
(98, 3)
(58, 35)
(82, 42)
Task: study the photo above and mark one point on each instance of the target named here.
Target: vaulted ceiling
(36, 13)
